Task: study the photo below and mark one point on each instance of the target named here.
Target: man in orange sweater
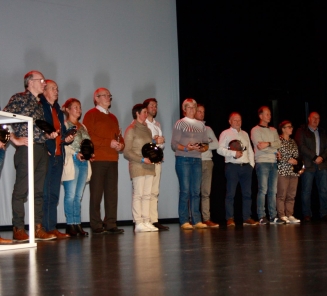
(103, 128)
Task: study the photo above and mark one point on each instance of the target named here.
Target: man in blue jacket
(51, 191)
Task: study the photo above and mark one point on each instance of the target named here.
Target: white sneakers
(285, 219)
(150, 226)
(292, 219)
(145, 227)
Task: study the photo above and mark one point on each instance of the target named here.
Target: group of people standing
(58, 158)
(278, 160)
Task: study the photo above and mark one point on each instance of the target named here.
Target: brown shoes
(250, 222)
(187, 226)
(41, 234)
(4, 241)
(20, 235)
(209, 223)
(58, 234)
(200, 225)
(230, 222)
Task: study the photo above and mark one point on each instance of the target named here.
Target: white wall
(128, 46)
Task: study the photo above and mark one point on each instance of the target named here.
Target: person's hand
(119, 147)
(92, 158)
(278, 155)
(159, 139)
(195, 147)
(70, 138)
(292, 161)
(262, 145)
(238, 154)
(147, 161)
(80, 156)
(319, 160)
(23, 141)
(52, 136)
(2, 146)
(114, 144)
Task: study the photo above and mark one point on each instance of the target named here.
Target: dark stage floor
(251, 260)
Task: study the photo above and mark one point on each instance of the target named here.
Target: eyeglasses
(107, 96)
(42, 80)
(289, 126)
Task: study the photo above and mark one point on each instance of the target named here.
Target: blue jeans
(189, 173)
(321, 181)
(74, 191)
(51, 192)
(236, 173)
(267, 184)
(2, 157)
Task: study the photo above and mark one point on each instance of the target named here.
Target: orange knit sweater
(102, 128)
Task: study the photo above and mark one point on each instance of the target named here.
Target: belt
(39, 144)
(240, 164)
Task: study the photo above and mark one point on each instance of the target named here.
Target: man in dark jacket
(54, 116)
(312, 142)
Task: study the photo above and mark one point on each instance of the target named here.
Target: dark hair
(137, 108)
(200, 105)
(261, 109)
(282, 124)
(147, 102)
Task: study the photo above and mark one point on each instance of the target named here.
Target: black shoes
(115, 230)
(75, 230)
(80, 231)
(70, 229)
(99, 231)
(160, 226)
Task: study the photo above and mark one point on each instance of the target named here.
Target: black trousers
(20, 192)
(104, 181)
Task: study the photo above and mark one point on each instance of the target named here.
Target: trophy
(119, 136)
(71, 131)
(299, 168)
(87, 149)
(153, 152)
(4, 134)
(236, 145)
(45, 126)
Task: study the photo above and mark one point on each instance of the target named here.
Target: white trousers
(141, 198)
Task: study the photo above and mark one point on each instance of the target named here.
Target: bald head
(313, 120)
(51, 91)
(102, 97)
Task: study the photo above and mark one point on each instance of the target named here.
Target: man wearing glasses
(103, 128)
(28, 104)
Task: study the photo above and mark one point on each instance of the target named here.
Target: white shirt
(232, 134)
(101, 109)
(155, 129)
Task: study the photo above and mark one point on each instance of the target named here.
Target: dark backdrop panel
(240, 55)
